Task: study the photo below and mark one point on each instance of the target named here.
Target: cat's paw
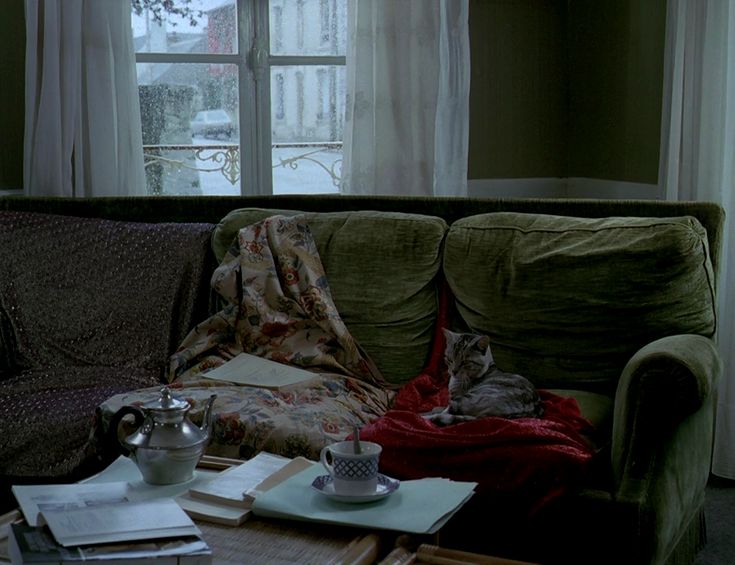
(440, 419)
(433, 412)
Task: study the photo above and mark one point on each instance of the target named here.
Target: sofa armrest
(661, 385)
(662, 435)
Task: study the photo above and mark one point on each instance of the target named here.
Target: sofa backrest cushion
(382, 269)
(566, 301)
(88, 291)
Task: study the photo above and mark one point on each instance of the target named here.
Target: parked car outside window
(210, 123)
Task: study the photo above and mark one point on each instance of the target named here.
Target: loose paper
(251, 370)
(418, 506)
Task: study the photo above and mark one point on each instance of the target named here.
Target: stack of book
(96, 528)
(117, 517)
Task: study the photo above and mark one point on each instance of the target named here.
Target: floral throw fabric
(276, 304)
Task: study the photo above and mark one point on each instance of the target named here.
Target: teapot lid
(165, 425)
(167, 402)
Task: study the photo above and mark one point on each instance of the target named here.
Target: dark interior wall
(12, 104)
(616, 60)
(566, 88)
(518, 89)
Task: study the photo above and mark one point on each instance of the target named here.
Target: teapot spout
(208, 418)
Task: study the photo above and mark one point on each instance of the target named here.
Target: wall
(616, 56)
(565, 97)
(12, 71)
(518, 93)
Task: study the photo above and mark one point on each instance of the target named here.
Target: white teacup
(352, 473)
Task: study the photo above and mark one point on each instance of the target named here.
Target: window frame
(254, 62)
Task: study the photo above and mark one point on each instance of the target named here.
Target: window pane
(189, 114)
(207, 26)
(308, 27)
(307, 103)
(307, 119)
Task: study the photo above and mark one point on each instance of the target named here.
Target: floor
(719, 511)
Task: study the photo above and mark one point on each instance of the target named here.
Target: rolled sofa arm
(663, 383)
(662, 441)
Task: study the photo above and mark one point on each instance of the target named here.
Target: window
(321, 76)
(247, 100)
(324, 18)
(300, 19)
(277, 29)
(280, 97)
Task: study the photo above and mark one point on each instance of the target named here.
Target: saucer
(325, 486)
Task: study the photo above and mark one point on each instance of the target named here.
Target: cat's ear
(483, 343)
(450, 336)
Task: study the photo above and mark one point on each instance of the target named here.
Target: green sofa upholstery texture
(611, 302)
(567, 301)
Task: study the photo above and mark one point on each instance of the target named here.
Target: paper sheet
(127, 521)
(252, 370)
(418, 506)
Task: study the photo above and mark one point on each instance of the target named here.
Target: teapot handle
(114, 440)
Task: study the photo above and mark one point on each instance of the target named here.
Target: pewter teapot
(166, 446)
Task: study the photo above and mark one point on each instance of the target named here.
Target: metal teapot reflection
(166, 446)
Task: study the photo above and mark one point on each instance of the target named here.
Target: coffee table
(260, 540)
(273, 542)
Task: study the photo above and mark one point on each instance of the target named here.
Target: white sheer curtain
(407, 114)
(698, 158)
(82, 126)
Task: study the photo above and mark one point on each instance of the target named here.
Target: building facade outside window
(249, 100)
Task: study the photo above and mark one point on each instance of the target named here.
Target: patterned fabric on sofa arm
(88, 308)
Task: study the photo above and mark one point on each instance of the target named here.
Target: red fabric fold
(526, 462)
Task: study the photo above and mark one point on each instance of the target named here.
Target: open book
(228, 497)
(106, 521)
(251, 370)
(120, 482)
(238, 485)
(35, 499)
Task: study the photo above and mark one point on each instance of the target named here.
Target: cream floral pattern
(276, 304)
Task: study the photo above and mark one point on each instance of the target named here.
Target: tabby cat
(477, 388)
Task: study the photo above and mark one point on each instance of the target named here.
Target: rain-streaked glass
(187, 104)
(307, 123)
(209, 27)
(308, 27)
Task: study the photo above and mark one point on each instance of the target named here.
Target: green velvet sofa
(610, 302)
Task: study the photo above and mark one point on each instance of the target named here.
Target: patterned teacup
(352, 473)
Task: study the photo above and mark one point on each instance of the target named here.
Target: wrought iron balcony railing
(224, 158)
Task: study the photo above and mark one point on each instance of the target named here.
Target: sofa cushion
(567, 301)
(93, 292)
(297, 421)
(382, 269)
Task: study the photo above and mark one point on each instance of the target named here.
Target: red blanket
(525, 462)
